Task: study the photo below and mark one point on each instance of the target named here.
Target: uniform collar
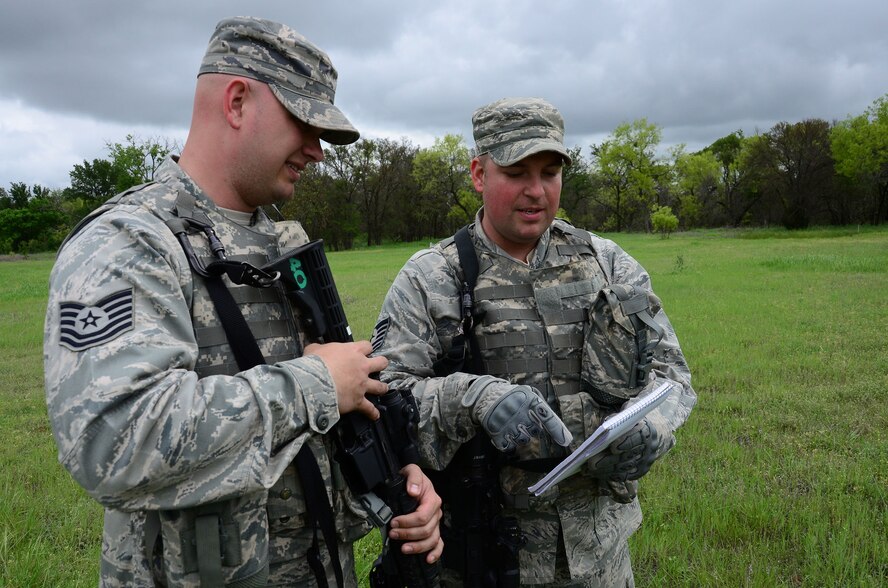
(534, 258)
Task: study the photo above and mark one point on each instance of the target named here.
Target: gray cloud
(75, 75)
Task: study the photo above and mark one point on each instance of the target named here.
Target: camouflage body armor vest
(530, 325)
(271, 319)
(273, 322)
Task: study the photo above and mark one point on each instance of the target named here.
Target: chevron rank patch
(84, 326)
(379, 332)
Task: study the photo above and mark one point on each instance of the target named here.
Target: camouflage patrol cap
(299, 74)
(514, 128)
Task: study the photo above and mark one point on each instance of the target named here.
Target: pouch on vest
(237, 530)
(619, 342)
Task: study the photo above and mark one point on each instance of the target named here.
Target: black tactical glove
(632, 455)
(622, 492)
(512, 415)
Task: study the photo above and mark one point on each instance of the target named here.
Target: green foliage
(442, 174)
(794, 162)
(93, 182)
(628, 171)
(690, 210)
(696, 178)
(860, 149)
(463, 212)
(737, 190)
(37, 219)
(663, 221)
(795, 175)
(577, 183)
(561, 213)
(860, 143)
(38, 226)
(135, 161)
(363, 187)
(31, 230)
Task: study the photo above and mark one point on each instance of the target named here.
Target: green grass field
(779, 477)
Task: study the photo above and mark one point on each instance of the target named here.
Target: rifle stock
(370, 453)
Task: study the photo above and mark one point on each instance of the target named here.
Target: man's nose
(312, 149)
(534, 186)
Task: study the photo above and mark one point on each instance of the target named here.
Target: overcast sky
(78, 74)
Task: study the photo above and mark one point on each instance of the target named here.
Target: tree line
(795, 175)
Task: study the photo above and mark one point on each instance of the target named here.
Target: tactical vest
(271, 319)
(275, 325)
(564, 329)
(530, 322)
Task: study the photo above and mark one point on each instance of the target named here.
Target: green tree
(313, 204)
(442, 173)
(130, 163)
(327, 195)
(663, 221)
(860, 149)
(796, 167)
(91, 185)
(33, 220)
(135, 161)
(737, 191)
(387, 183)
(696, 177)
(96, 181)
(576, 189)
(628, 172)
(19, 194)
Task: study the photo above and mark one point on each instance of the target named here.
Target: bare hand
(350, 367)
(419, 529)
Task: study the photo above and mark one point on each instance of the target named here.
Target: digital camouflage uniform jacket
(151, 415)
(417, 323)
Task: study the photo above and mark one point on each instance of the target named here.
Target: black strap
(243, 343)
(319, 511)
(454, 359)
(468, 259)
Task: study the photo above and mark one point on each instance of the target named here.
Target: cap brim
(322, 115)
(516, 151)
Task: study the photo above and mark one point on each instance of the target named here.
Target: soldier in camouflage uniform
(192, 457)
(537, 324)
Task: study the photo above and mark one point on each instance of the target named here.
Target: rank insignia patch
(85, 326)
(379, 332)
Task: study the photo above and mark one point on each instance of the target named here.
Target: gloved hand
(632, 455)
(511, 415)
(622, 492)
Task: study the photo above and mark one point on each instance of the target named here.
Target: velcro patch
(379, 332)
(85, 326)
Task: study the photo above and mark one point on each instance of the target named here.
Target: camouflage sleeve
(419, 317)
(669, 363)
(134, 424)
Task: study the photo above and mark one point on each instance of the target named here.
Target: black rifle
(482, 543)
(370, 453)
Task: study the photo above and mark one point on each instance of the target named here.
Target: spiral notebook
(610, 430)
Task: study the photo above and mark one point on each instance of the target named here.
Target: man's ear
(233, 99)
(477, 172)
